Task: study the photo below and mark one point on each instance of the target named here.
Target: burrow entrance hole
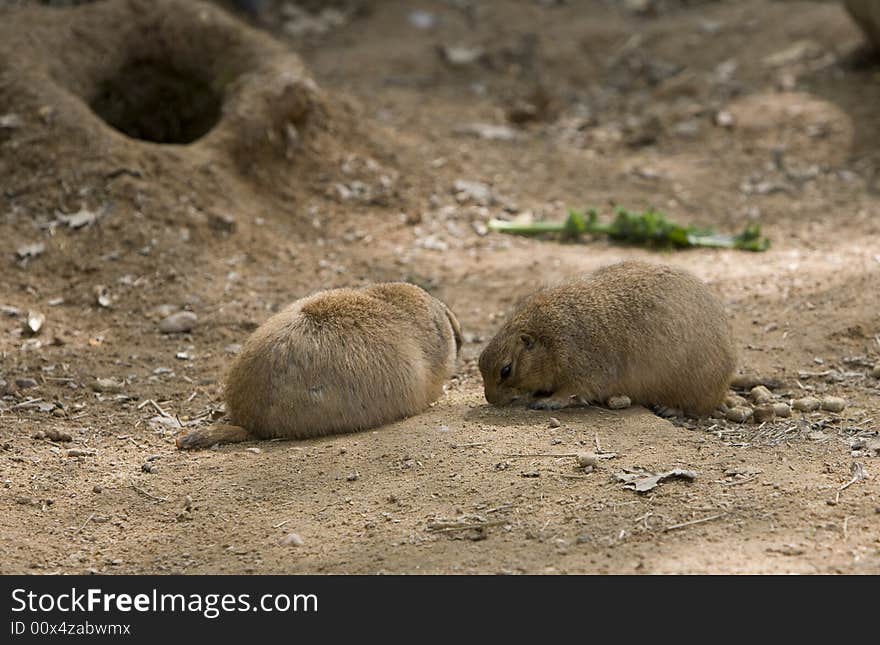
(154, 101)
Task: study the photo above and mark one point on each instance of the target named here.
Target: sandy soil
(619, 108)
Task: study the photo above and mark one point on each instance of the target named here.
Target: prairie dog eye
(505, 371)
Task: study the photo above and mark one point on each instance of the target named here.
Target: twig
(644, 519)
(859, 474)
(448, 526)
(26, 404)
(692, 522)
(280, 524)
(475, 444)
(134, 443)
(156, 406)
(541, 454)
(741, 481)
(145, 493)
(88, 519)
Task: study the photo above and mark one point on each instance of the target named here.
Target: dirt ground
(720, 113)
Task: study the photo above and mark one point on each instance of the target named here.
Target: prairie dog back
(343, 360)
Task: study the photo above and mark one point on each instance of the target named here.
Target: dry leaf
(642, 481)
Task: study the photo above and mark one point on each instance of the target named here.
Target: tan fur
(343, 360)
(651, 332)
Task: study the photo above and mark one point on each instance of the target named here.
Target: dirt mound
(168, 113)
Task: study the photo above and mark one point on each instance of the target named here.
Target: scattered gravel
(587, 459)
(764, 413)
(833, 404)
(761, 394)
(739, 414)
(806, 404)
(782, 410)
(619, 402)
(736, 401)
(107, 385)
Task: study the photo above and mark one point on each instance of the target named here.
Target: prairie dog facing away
(338, 361)
(651, 332)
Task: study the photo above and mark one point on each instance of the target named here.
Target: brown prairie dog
(339, 361)
(651, 332)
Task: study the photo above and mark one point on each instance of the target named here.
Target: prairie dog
(339, 361)
(651, 332)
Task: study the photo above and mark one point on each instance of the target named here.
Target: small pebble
(724, 119)
(806, 404)
(107, 385)
(255, 450)
(57, 435)
(76, 452)
(782, 410)
(25, 383)
(587, 459)
(554, 422)
(96, 489)
(180, 322)
(748, 381)
(292, 539)
(833, 404)
(735, 401)
(739, 414)
(876, 371)
(761, 394)
(353, 477)
(163, 311)
(619, 402)
(764, 413)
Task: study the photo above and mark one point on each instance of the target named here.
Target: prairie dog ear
(456, 328)
(527, 340)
